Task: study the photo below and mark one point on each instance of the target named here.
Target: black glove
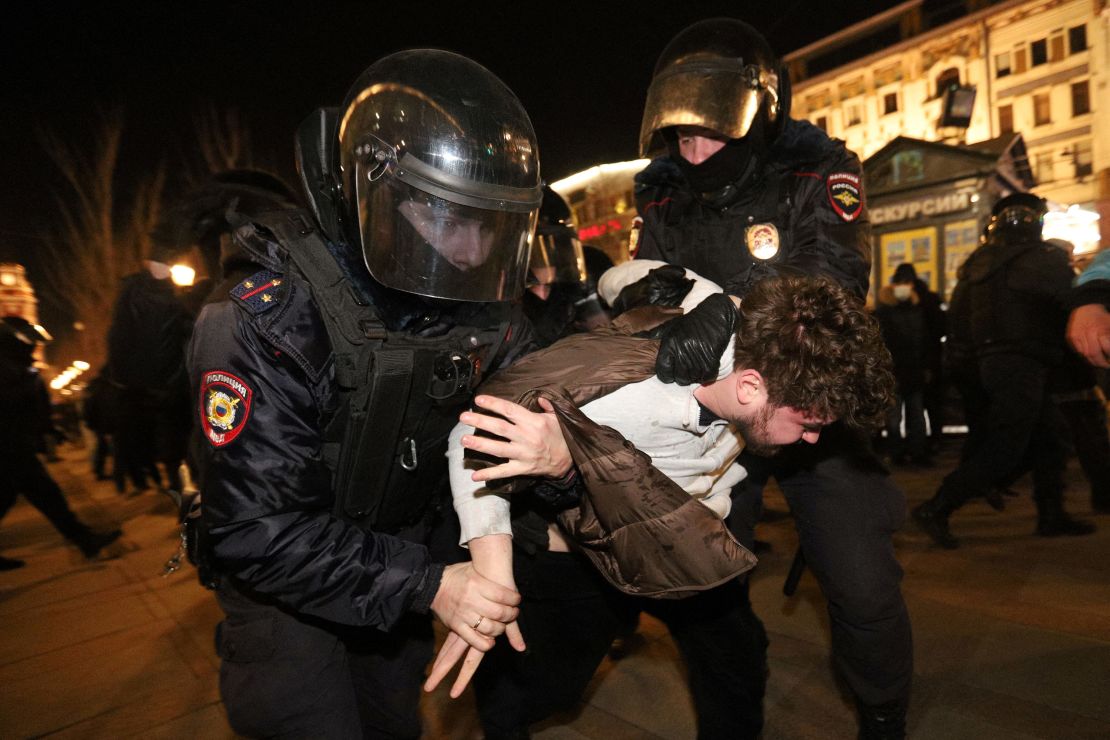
(690, 346)
(663, 286)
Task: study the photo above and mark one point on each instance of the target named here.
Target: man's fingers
(490, 424)
(511, 411)
(546, 405)
(489, 446)
(505, 470)
(515, 636)
(453, 648)
(1104, 350)
(466, 671)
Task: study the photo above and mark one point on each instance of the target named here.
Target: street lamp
(182, 275)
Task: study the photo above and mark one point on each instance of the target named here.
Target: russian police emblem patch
(225, 406)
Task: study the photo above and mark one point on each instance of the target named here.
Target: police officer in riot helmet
(25, 405)
(327, 378)
(739, 191)
(1010, 304)
(562, 294)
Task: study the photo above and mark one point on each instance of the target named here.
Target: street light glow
(182, 275)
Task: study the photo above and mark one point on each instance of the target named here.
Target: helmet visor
(722, 98)
(421, 243)
(556, 258)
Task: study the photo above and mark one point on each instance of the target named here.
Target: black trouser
(846, 509)
(569, 617)
(1019, 427)
(289, 676)
(21, 471)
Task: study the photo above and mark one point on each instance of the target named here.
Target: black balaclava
(716, 179)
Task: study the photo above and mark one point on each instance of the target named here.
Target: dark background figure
(748, 194)
(902, 318)
(327, 370)
(146, 361)
(1009, 306)
(1073, 388)
(936, 329)
(25, 415)
(203, 216)
(562, 289)
(101, 414)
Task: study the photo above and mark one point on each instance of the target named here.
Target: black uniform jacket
(263, 381)
(1011, 298)
(804, 212)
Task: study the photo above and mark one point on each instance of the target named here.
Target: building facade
(984, 71)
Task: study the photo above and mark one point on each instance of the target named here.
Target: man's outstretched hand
(1089, 333)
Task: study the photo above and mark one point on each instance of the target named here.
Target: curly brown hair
(817, 349)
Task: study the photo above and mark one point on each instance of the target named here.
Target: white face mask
(903, 292)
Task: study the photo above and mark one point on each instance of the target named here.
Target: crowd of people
(402, 398)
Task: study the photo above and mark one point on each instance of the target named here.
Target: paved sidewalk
(1012, 634)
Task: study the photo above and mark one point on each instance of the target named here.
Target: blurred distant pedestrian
(902, 318)
(146, 359)
(22, 421)
(101, 416)
(935, 382)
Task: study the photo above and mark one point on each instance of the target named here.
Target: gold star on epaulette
(276, 282)
(266, 298)
(248, 284)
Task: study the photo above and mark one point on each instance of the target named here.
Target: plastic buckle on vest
(372, 329)
(304, 228)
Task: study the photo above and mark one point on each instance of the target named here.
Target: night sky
(580, 69)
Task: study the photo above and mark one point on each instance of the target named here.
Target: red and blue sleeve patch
(225, 406)
(845, 195)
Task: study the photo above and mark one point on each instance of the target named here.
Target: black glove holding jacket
(691, 345)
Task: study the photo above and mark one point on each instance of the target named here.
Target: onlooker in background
(24, 419)
(1010, 299)
(146, 358)
(902, 319)
(935, 331)
(101, 411)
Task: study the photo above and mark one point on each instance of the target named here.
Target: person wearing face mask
(902, 319)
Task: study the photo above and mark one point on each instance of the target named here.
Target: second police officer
(742, 192)
(327, 374)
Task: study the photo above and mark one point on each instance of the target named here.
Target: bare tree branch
(97, 240)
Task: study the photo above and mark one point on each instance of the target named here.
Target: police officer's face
(697, 143)
(464, 242)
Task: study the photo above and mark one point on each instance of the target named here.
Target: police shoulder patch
(845, 194)
(259, 292)
(225, 406)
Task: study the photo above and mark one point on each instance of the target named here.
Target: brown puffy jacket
(645, 534)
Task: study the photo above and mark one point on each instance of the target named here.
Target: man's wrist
(426, 591)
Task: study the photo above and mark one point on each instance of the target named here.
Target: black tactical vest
(400, 394)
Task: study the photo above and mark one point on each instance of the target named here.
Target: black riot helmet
(1017, 216)
(438, 178)
(556, 252)
(719, 74)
